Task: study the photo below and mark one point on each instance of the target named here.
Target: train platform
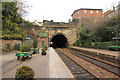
(44, 66)
(57, 69)
(106, 52)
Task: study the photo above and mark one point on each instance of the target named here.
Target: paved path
(49, 66)
(7, 57)
(40, 64)
(113, 53)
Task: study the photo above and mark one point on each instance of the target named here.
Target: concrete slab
(107, 52)
(57, 69)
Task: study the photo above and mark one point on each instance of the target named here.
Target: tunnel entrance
(59, 41)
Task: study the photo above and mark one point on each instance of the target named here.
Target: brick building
(111, 13)
(86, 13)
(105, 13)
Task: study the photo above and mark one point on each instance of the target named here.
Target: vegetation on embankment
(13, 25)
(101, 35)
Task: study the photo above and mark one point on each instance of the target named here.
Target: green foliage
(102, 45)
(25, 48)
(7, 47)
(75, 21)
(108, 30)
(105, 45)
(17, 46)
(85, 38)
(24, 73)
(43, 49)
(13, 26)
(78, 43)
(35, 43)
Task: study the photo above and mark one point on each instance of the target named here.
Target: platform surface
(48, 66)
(107, 52)
(57, 68)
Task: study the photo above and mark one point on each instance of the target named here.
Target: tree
(85, 38)
(107, 30)
(11, 22)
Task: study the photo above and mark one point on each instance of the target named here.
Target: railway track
(98, 68)
(106, 58)
(98, 59)
(77, 71)
(104, 64)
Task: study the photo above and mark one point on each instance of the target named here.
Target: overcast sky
(61, 10)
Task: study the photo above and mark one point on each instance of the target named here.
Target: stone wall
(12, 42)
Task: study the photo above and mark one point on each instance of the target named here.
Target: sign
(21, 54)
(43, 34)
(28, 37)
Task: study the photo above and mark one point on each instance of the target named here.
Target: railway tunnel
(59, 41)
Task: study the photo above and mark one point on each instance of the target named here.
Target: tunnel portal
(59, 41)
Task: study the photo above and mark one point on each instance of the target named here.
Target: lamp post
(21, 29)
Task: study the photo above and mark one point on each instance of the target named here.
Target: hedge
(99, 45)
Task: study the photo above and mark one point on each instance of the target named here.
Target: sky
(61, 10)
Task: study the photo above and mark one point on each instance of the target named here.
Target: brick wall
(80, 13)
(40, 42)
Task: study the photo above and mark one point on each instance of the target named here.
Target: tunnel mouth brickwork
(59, 41)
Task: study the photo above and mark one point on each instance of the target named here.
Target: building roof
(85, 9)
(37, 23)
(106, 12)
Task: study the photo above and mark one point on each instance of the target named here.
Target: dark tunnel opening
(59, 41)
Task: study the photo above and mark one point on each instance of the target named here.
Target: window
(78, 12)
(97, 11)
(85, 11)
(91, 11)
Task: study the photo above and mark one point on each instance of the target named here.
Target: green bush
(35, 43)
(25, 48)
(43, 49)
(7, 47)
(24, 73)
(98, 45)
(17, 46)
(105, 45)
(77, 43)
(102, 45)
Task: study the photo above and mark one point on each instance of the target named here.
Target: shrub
(17, 46)
(77, 43)
(35, 43)
(102, 45)
(25, 48)
(99, 45)
(105, 45)
(24, 73)
(7, 47)
(43, 49)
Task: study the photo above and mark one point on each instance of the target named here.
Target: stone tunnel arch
(59, 40)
